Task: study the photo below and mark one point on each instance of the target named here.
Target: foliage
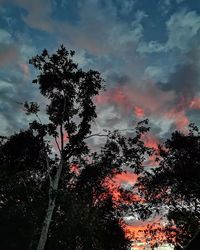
(22, 178)
(86, 216)
(42, 199)
(173, 188)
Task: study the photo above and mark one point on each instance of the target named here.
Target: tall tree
(173, 188)
(91, 214)
(85, 216)
(70, 110)
(62, 196)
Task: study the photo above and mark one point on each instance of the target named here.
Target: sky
(148, 52)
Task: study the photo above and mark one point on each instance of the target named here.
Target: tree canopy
(55, 191)
(45, 203)
(173, 188)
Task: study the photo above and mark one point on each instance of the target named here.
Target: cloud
(195, 103)
(14, 90)
(182, 28)
(38, 13)
(142, 95)
(14, 77)
(156, 73)
(137, 230)
(150, 140)
(139, 112)
(130, 103)
(8, 50)
(120, 182)
(14, 52)
(124, 178)
(180, 1)
(5, 37)
(170, 101)
(100, 31)
(8, 54)
(185, 81)
(151, 47)
(165, 6)
(126, 7)
(109, 42)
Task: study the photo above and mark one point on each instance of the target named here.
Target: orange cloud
(150, 140)
(125, 177)
(129, 97)
(179, 117)
(143, 102)
(115, 189)
(139, 112)
(195, 103)
(145, 233)
(115, 96)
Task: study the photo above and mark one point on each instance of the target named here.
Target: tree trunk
(51, 206)
(46, 225)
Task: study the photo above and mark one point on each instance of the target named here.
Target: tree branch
(38, 118)
(100, 135)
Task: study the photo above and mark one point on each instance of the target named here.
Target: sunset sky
(148, 51)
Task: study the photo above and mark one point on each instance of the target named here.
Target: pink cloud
(150, 101)
(139, 112)
(25, 70)
(179, 117)
(195, 103)
(149, 98)
(150, 140)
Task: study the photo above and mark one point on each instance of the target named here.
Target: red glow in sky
(150, 140)
(195, 103)
(139, 112)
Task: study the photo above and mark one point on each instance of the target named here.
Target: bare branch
(38, 118)
(104, 135)
(100, 135)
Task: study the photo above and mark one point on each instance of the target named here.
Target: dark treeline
(54, 191)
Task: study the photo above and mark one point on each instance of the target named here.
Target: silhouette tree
(90, 213)
(84, 218)
(58, 196)
(173, 188)
(22, 178)
(70, 111)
